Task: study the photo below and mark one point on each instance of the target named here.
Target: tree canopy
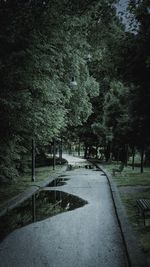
(46, 44)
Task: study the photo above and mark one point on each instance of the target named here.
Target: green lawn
(128, 182)
(130, 177)
(137, 221)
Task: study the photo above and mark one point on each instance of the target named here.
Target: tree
(137, 73)
(39, 42)
(116, 115)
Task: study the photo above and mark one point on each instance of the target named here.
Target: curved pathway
(85, 237)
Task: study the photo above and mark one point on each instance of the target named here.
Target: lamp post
(60, 150)
(109, 144)
(73, 82)
(33, 160)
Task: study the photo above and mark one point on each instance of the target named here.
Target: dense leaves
(46, 44)
(42, 45)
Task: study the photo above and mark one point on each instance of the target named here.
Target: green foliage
(116, 113)
(99, 130)
(106, 37)
(138, 73)
(42, 45)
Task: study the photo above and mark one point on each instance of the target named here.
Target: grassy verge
(136, 220)
(8, 191)
(130, 177)
(132, 186)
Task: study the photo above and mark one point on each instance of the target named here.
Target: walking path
(85, 237)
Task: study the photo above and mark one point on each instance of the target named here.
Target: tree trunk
(70, 149)
(33, 160)
(54, 154)
(60, 151)
(126, 155)
(79, 149)
(123, 155)
(118, 155)
(96, 152)
(108, 152)
(85, 151)
(142, 158)
(133, 157)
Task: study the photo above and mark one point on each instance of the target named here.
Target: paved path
(85, 237)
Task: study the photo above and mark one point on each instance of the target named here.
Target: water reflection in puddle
(40, 206)
(63, 176)
(58, 182)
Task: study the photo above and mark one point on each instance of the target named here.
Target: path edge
(23, 196)
(135, 256)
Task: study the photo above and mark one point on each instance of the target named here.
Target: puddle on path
(97, 170)
(40, 206)
(79, 165)
(63, 176)
(58, 182)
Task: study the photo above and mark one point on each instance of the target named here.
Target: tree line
(120, 121)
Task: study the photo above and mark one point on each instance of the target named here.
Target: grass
(8, 191)
(130, 177)
(133, 178)
(137, 221)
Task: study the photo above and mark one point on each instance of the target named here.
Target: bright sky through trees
(121, 8)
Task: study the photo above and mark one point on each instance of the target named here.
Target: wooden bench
(143, 207)
(119, 170)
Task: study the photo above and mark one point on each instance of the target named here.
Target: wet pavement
(88, 236)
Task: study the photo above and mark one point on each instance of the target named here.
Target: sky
(121, 7)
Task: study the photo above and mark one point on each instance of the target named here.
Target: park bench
(119, 170)
(143, 207)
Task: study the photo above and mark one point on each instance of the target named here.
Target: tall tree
(42, 44)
